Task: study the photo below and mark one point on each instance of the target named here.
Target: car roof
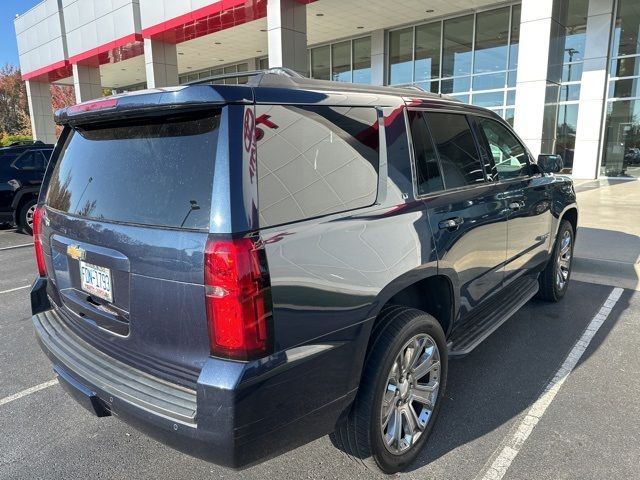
(273, 86)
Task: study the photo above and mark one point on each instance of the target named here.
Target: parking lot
(588, 423)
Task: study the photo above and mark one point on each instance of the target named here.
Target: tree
(14, 108)
(62, 96)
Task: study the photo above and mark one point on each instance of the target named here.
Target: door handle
(515, 206)
(451, 223)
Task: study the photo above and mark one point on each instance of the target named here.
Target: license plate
(96, 280)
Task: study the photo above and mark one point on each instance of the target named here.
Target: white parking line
(15, 289)
(512, 445)
(28, 391)
(16, 246)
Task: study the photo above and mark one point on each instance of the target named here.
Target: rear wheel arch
(21, 198)
(433, 294)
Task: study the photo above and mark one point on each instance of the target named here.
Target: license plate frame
(96, 280)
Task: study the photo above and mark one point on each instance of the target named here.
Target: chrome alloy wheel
(564, 260)
(29, 216)
(410, 394)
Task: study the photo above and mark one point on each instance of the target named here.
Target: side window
(456, 149)
(428, 175)
(46, 155)
(39, 160)
(508, 154)
(27, 161)
(315, 160)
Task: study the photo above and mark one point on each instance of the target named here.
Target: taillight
(37, 241)
(237, 311)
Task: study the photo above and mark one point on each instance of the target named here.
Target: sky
(8, 10)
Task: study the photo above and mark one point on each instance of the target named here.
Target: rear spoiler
(153, 102)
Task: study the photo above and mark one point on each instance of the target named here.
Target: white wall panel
(39, 36)
(93, 23)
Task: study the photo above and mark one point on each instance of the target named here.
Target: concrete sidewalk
(608, 242)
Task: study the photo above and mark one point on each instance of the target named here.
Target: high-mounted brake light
(91, 106)
(237, 312)
(37, 241)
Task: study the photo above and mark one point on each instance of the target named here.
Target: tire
(363, 435)
(25, 217)
(554, 279)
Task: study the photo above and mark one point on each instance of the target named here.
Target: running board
(475, 330)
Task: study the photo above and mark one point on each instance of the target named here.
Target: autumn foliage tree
(62, 96)
(14, 108)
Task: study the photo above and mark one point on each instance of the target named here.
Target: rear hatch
(126, 219)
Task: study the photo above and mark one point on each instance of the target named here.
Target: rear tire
(554, 279)
(400, 393)
(25, 217)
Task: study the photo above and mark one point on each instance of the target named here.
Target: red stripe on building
(206, 20)
(50, 73)
(115, 51)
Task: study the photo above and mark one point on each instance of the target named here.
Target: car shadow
(506, 374)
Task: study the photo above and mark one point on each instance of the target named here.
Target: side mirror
(550, 163)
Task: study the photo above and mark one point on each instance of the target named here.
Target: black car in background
(237, 270)
(22, 167)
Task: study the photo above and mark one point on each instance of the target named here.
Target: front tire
(554, 279)
(25, 217)
(400, 394)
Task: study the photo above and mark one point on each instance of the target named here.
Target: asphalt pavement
(590, 429)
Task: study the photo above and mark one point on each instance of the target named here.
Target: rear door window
(315, 160)
(456, 149)
(152, 172)
(428, 175)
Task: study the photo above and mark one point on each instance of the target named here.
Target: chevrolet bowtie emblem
(75, 252)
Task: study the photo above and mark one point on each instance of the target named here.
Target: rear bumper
(238, 415)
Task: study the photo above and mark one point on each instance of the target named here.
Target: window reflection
(621, 156)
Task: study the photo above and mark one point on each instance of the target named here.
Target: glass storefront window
(427, 48)
(321, 63)
(401, 56)
(341, 62)
(490, 99)
(515, 37)
(457, 46)
(492, 41)
(444, 57)
(455, 85)
(621, 153)
(348, 61)
(489, 82)
(626, 38)
(362, 60)
(622, 139)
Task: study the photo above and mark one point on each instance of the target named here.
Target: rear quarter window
(155, 172)
(315, 160)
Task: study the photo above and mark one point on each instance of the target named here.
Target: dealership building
(564, 73)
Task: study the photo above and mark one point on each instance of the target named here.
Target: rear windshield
(152, 172)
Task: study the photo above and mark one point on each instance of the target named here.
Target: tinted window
(508, 153)
(156, 173)
(427, 169)
(315, 161)
(30, 160)
(456, 148)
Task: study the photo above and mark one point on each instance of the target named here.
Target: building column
(378, 57)
(86, 82)
(287, 35)
(540, 54)
(593, 89)
(161, 63)
(43, 125)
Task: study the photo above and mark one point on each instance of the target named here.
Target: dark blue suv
(238, 270)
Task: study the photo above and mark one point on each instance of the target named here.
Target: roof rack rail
(252, 73)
